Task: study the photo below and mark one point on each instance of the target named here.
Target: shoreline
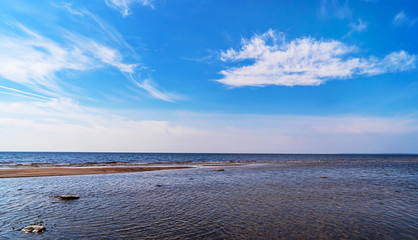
(66, 171)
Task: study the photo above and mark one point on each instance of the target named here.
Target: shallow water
(7, 158)
(357, 200)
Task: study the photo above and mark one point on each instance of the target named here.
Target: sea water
(272, 197)
(97, 157)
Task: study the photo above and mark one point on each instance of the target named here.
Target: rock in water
(34, 229)
(68, 197)
(219, 169)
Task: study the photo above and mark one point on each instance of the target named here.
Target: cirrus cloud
(33, 59)
(303, 61)
(123, 6)
(402, 19)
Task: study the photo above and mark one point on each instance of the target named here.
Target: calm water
(363, 197)
(77, 158)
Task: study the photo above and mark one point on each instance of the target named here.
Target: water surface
(359, 199)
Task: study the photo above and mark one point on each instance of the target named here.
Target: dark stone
(66, 197)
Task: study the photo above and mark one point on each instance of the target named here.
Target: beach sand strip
(63, 171)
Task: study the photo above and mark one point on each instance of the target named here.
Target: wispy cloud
(402, 19)
(334, 9)
(123, 6)
(17, 92)
(69, 8)
(304, 61)
(150, 87)
(103, 53)
(113, 57)
(31, 59)
(358, 26)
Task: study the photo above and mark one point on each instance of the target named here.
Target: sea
(258, 196)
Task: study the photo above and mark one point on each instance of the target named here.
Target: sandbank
(63, 171)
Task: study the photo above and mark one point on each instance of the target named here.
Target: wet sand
(63, 171)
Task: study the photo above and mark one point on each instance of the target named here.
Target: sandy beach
(62, 171)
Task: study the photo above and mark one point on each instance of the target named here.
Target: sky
(251, 76)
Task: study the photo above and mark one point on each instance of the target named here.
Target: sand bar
(63, 171)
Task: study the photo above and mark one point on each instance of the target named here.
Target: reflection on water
(357, 200)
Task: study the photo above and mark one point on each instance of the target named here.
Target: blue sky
(323, 76)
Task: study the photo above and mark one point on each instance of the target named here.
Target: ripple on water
(263, 202)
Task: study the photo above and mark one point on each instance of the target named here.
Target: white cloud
(153, 91)
(360, 26)
(113, 57)
(123, 6)
(399, 18)
(69, 8)
(304, 61)
(105, 54)
(17, 92)
(33, 60)
(402, 19)
(64, 125)
(333, 8)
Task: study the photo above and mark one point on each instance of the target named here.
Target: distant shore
(63, 171)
